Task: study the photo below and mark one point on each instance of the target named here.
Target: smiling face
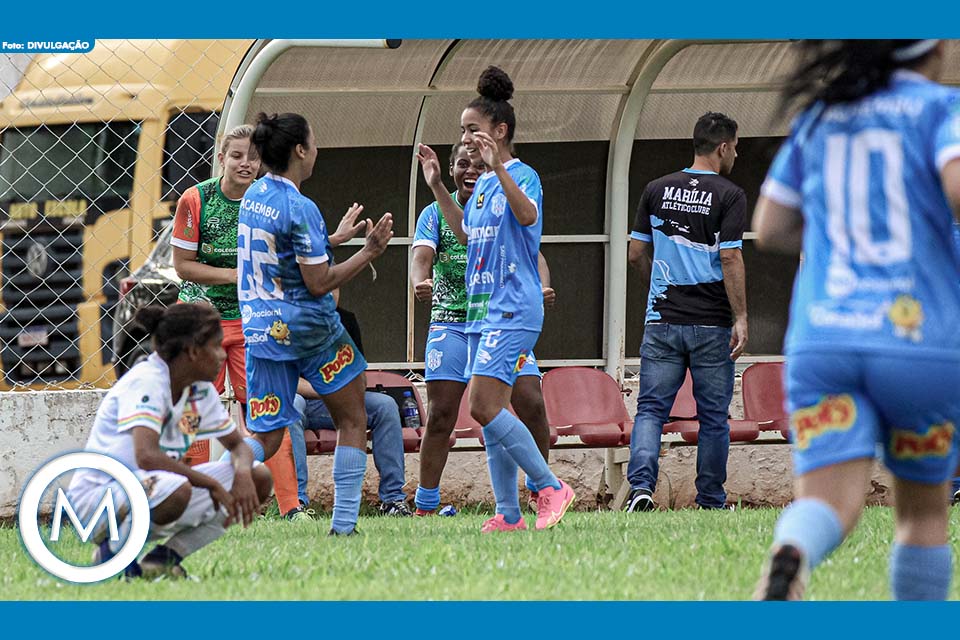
(240, 162)
(472, 121)
(465, 171)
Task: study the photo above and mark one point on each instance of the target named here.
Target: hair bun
(495, 84)
(149, 317)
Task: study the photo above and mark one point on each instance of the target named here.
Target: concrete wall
(36, 426)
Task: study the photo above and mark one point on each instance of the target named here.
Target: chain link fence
(95, 150)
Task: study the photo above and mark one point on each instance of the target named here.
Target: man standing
(686, 242)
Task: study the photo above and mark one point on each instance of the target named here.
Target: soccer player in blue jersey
(868, 185)
(501, 226)
(290, 324)
(437, 274)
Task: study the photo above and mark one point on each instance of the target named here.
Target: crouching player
(148, 420)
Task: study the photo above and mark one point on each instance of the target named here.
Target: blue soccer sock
(529, 484)
(349, 465)
(920, 573)
(812, 526)
(503, 477)
(254, 444)
(427, 499)
(507, 430)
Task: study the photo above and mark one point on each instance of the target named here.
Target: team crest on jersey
(910, 445)
(280, 332)
(906, 315)
(434, 358)
(498, 205)
(344, 358)
(480, 201)
(189, 424)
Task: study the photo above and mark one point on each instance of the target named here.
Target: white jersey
(142, 398)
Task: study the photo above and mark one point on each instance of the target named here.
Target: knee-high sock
(920, 573)
(349, 465)
(284, 472)
(812, 526)
(507, 430)
(503, 478)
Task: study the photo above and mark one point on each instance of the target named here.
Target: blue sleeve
(529, 182)
(784, 182)
(947, 137)
(428, 228)
(308, 232)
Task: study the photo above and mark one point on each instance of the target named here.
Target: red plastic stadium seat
(684, 413)
(684, 405)
(586, 403)
(763, 397)
(198, 453)
(411, 437)
(320, 441)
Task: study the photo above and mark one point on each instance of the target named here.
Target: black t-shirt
(689, 216)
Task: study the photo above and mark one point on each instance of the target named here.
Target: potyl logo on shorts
(832, 413)
(910, 445)
(136, 504)
(521, 362)
(269, 405)
(344, 358)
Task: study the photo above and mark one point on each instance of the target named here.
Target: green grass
(679, 555)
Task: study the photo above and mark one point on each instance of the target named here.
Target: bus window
(90, 161)
(187, 151)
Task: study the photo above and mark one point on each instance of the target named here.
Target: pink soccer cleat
(553, 503)
(497, 523)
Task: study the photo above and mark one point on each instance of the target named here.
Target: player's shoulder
(521, 169)
(148, 378)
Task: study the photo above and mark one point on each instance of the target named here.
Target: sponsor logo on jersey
(934, 442)
(832, 413)
(906, 315)
(484, 277)
(268, 405)
(280, 332)
(343, 359)
(483, 234)
(480, 201)
(255, 338)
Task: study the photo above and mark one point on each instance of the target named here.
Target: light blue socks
(349, 465)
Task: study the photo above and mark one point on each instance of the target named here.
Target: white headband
(913, 51)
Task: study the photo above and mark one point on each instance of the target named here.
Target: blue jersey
(279, 230)
(880, 270)
(503, 282)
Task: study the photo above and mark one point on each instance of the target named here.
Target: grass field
(679, 555)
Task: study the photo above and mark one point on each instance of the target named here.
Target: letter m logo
(63, 504)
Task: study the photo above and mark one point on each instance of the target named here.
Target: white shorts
(159, 486)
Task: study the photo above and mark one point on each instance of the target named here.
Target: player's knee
(483, 411)
(173, 507)
(441, 419)
(263, 481)
(271, 442)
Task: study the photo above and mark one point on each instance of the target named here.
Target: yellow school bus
(95, 149)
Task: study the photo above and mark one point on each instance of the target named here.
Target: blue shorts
(446, 354)
(500, 353)
(272, 384)
(845, 406)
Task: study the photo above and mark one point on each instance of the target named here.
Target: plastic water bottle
(411, 414)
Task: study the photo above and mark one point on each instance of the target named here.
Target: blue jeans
(383, 418)
(667, 352)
